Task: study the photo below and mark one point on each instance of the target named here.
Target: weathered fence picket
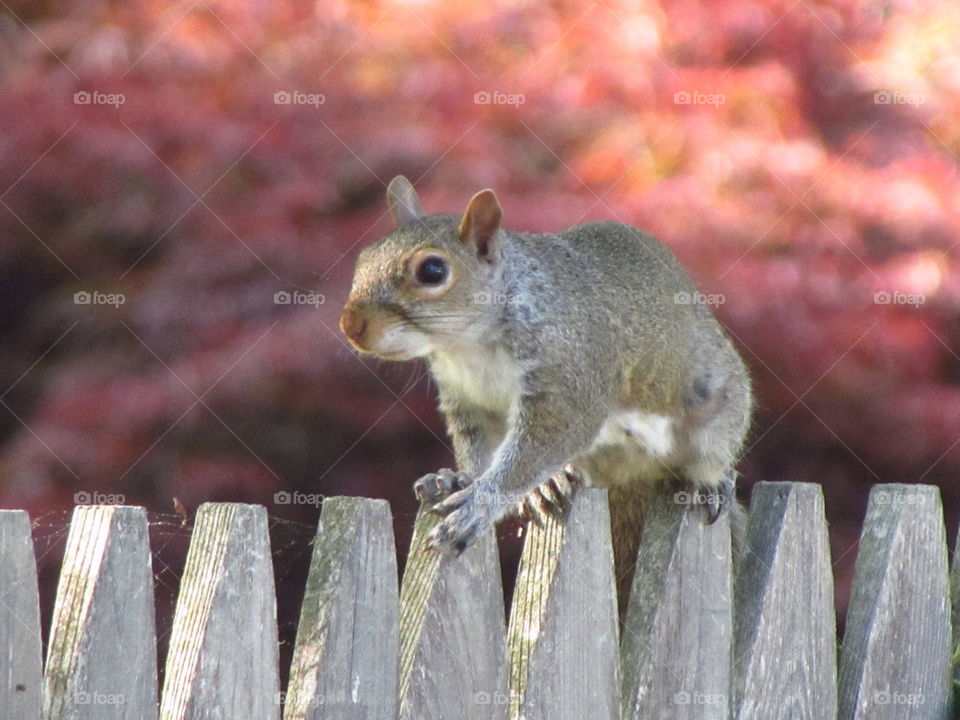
(452, 631)
(955, 614)
(345, 660)
(677, 636)
(102, 660)
(563, 637)
(785, 651)
(223, 659)
(707, 636)
(21, 690)
(895, 660)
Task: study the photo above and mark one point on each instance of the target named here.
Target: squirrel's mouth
(394, 347)
(394, 355)
(382, 353)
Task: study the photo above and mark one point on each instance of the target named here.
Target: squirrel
(585, 357)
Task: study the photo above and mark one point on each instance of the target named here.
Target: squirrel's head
(421, 288)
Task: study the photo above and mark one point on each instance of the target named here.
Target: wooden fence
(700, 641)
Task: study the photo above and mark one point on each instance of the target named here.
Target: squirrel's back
(615, 285)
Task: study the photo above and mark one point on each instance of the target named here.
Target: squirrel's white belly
(488, 378)
(631, 442)
(653, 432)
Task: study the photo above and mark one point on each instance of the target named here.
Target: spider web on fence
(291, 546)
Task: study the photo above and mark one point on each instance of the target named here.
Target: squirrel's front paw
(435, 486)
(465, 514)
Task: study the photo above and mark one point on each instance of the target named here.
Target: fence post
(452, 631)
(563, 635)
(21, 679)
(677, 637)
(102, 660)
(785, 634)
(345, 660)
(223, 660)
(895, 660)
(955, 621)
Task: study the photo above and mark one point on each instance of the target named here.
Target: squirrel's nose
(353, 324)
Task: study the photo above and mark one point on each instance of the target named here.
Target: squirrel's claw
(719, 501)
(435, 486)
(553, 498)
(534, 508)
(465, 516)
(565, 484)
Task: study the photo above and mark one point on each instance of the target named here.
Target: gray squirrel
(582, 357)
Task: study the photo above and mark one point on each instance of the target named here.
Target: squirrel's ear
(480, 225)
(403, 201)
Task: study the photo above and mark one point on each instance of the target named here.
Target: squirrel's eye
(432, 271)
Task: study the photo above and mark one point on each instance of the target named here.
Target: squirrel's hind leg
(720, 500)
(711, 483)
